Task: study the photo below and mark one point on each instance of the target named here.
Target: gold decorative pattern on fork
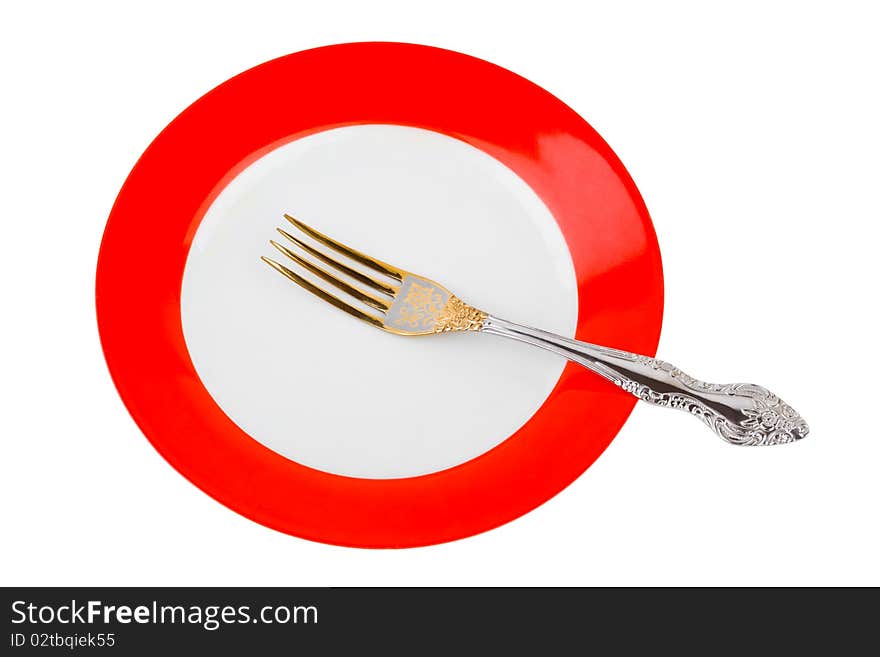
(458, 316)
(402, 303)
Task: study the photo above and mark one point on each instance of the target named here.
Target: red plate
(599, 211)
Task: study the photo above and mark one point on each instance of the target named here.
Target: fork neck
(594, 357)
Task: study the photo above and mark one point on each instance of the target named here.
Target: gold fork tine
(367, 261)
(326, 296)
(353, 273)
(363, 297)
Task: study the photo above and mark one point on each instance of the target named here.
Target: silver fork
(404, 303)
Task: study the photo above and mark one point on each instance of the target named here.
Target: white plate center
(333, 393)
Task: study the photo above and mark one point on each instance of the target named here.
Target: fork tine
(326, 296)
(372, 263)
(345, 269)
(363, 297)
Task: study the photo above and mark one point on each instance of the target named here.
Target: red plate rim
(148, 234)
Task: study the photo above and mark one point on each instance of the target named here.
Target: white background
(752, 134)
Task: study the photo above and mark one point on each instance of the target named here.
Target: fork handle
(741, 413)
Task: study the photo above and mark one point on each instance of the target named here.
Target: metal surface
(741, 413)
(408, 304)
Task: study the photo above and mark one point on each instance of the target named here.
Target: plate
(309, 422)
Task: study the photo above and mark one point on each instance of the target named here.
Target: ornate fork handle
(741, 413)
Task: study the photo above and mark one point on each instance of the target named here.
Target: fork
(404, 303)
